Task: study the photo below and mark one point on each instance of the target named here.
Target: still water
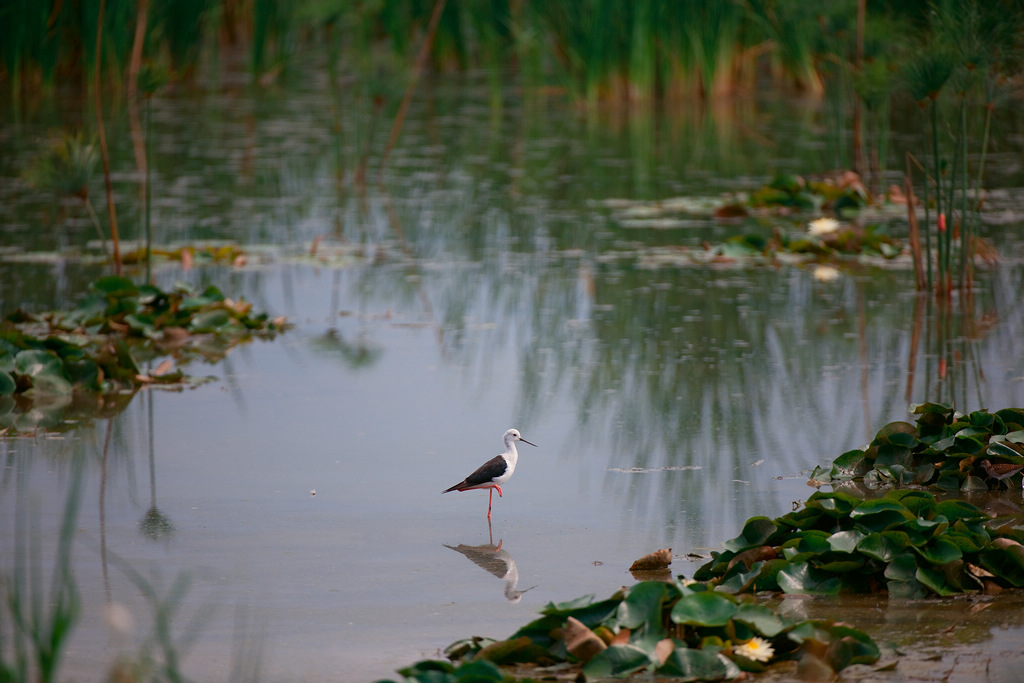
(488, 283)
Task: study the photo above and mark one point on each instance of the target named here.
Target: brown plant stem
(915, 235)
(134, 122)
(114, 235)
(403, 109)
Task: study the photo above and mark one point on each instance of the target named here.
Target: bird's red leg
(490, 496)
(499, 491)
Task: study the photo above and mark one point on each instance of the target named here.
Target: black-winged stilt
(496, 471)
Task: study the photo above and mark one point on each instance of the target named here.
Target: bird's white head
(513, 435)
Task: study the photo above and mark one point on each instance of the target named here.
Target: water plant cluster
(945, 449)
(102, 346)
(670, 629)
(906, 543)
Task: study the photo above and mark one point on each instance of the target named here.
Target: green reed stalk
(642, 56)
(938, 190)
(955, 183)
(965, 254)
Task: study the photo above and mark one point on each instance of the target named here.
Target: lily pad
(617, 660)
(707, 608)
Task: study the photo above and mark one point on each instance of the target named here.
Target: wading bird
(1000, 470)
(496, 471)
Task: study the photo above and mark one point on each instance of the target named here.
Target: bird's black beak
(525, 441)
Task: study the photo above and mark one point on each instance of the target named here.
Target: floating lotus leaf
(589, 612)
(839, 563)
(617, 660)
(44, 369)
(755, 532)
(643, 604)
(939, 551)
(210, 321)
(935, 581)
(764, 620)
(1001, 450)
(7, 384)
(706, 608)
(836, 504)
(960, 510)
(802, 578)
(849, 647)
(846, 541)
(688, 664)
(1005, 563)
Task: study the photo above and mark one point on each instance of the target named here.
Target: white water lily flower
(822, 226)
(756, 649)
(825, 273)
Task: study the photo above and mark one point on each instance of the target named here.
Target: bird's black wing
(485, 557)
(495, 467)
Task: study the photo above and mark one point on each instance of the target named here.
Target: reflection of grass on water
(37, 620)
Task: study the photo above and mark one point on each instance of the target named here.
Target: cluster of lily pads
(669, 629)
(906, 543)
(101, 346)
(825, 237)
(791, 191)
(945, 449)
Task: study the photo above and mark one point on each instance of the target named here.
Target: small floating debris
(647, 470)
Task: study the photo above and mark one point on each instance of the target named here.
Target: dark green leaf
(687, 664)
(884, 546)
(959, 510)
(617, 660)
(834, 504)
(1005, 563)
(643, 605)
(756, 531)
(802, 578)
(479, 671)
(7, 384)
(45, 370)
(935, 581)
(846, 541)
(210, 321)
(704, 609)
(903, 567)
(115, 285)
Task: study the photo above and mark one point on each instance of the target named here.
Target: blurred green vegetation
(595, 49)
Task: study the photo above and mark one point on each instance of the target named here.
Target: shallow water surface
(490, 287)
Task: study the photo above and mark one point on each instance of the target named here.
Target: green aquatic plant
(100, 345)
(943, 449)
(907, 543)
(66, 168)
(673, 630)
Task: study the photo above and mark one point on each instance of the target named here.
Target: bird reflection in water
(497, 561)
